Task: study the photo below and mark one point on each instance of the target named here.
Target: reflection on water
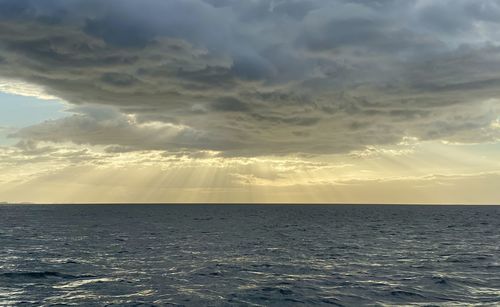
(249, 255)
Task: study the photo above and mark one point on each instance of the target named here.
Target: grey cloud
(118, 79)
(458, 16)
(209, 76)
(251, 67)
(295, 8)
(257, 77)
(229, 104)
(296, 121)
(119, 22)
(104, 126)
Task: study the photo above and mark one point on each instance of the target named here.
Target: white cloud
(22, 88)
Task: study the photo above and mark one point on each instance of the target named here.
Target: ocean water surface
(249, 255)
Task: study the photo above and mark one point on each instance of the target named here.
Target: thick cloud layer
(258, 77)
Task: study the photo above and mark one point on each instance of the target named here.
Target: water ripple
(249, 255)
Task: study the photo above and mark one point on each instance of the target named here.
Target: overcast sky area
(349, 101)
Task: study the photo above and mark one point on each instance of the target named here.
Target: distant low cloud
(251, 78)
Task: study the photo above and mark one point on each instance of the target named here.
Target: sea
(249, 255)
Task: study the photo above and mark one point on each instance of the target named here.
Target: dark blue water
(249, 255)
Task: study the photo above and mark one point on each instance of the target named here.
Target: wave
(42, 275)
(405, 294)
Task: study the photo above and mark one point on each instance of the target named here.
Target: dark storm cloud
(118, 79)
(258, 77)
(229, 104)
(458, 16)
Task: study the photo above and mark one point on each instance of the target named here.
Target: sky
(307, 101)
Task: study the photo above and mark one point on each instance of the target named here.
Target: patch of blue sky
(21, 111)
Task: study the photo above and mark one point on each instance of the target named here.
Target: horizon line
(245, 203)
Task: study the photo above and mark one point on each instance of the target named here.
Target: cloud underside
(253, 78)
